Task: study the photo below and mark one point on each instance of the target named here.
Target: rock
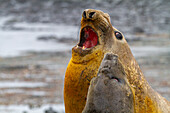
(50, 110)
(46, 38)
(138, 30)
(56, 39)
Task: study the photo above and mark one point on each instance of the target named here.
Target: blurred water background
(36, 37)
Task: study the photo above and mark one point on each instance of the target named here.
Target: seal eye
(118, 35)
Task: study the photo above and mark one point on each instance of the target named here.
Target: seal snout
(110, 56)
(88, 14)
(109, 62)
(109, 91)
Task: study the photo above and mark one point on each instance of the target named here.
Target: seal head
(94, 26)
(110, 91)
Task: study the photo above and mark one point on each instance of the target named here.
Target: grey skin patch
(110, 91)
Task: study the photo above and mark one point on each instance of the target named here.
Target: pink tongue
(91, 39)
(116, 80)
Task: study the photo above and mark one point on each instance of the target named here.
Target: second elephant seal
(110, 91)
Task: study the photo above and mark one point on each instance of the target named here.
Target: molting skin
(98, 37)
(110, 91)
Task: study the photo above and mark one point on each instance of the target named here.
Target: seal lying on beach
(110, 91)
(97, 37)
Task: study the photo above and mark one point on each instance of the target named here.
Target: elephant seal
(98, 37)
(110, 91)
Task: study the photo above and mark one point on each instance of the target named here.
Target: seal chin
(88, 39)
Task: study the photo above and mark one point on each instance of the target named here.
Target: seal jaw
(88, 38)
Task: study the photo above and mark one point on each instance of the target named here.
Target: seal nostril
(91, 14)
(84, 14)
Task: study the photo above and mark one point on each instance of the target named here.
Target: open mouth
(115, 78)
(88, 38)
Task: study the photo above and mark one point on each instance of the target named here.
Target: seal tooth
(83, 47)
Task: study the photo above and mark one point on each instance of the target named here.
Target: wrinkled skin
(85, 63)
(110, 91)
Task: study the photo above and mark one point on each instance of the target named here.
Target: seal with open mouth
(97, 37)
(110, 91)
